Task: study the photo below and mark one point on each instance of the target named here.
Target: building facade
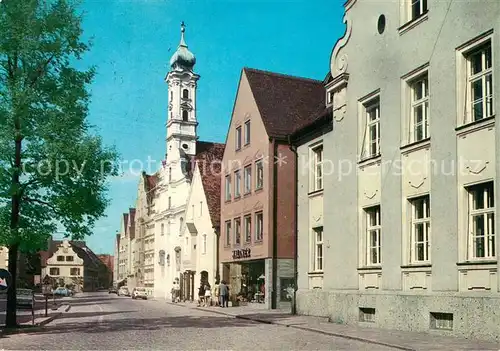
(257, 246)
(109, 262)
(201, 233)
(408, 174)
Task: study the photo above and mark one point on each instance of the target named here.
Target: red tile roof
(285, 102)
(132, 222)
(209, 159)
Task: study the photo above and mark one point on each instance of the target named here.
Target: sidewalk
(392, 338)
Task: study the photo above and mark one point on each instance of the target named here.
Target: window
(74, 271)
(479, 90)
(192, 211)
(185, 115)
(373, 232)
(481, 221)
(259, 174)
(54, 271)
(69, 258)
(60, 258)
(248, 228)
(419, 114)
(169, 202)
(169, 174)
(318, 249)
(162, 231)
(248, 179)
(238, 138)
(420, 229)
(247, 132)
(201, 208)
(228, 233)
(185, 94)
(259, 226)
(317, 155)
(171, 96)
(414, 9)
(237, 184)
(181, 222)
(169, 227)
(237, 231)
(204, 243)
(372, 132)
(228, 188)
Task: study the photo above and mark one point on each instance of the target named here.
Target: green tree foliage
(53, 169)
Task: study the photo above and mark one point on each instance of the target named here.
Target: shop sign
(241, 253)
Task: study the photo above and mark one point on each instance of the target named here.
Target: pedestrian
(201, 294)
(177, 291)
(224, 294)
(208, 295)
(216, 293)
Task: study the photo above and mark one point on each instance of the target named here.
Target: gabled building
(257, 245)
(201, 232)
(73, 264)
(397, 219)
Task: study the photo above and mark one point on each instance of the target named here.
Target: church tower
(181, 120)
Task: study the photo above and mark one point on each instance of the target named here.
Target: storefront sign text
(241, 253)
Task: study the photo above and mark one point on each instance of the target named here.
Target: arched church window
(185, 94)
(181, 222)
(185, 115)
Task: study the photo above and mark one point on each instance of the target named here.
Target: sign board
(46, 289)
(5, 279)
(241, 253)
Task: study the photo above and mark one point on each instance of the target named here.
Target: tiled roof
(322, 118)
(285, 102)
(209, 159)
(80, 247)
(132, 222)
(150, 182)
(125, 223)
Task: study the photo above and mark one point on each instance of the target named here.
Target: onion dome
(183, 58)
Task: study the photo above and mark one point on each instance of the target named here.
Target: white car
(25, 298)
(139, 293)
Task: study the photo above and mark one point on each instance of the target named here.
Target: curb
(309, 329)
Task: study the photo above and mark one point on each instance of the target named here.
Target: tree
(53, 168)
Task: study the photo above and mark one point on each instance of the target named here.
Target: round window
(185, 146)
(381, 24)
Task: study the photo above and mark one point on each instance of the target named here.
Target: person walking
(216, 293)
(208, 296)
(224, 294)
(201, 294)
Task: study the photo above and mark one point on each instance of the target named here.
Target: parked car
(60, 291)
(123, 291)
(139, 293)
(113, 290)
(25, 298)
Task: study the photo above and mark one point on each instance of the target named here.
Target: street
(99, 321)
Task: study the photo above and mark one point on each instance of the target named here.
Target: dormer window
(185, 94)
(185, 115)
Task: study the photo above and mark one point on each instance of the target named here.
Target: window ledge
(415, 146)
(315, 193)
(370, 160)
(316, 273)
(413, 23)
(486, 262)
(258, 190)
(258, 242)
(247, 194)
(417, 267)
(472, 127)
(370, 268)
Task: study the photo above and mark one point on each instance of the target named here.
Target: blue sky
(132, 44)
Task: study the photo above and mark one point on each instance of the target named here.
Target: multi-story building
(116, 259)
(73, 264)
(201, 232)
(257, 199)
(109, 262)
(396, 206)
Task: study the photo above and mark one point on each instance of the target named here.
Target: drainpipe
(293, 148)
(274, 295)
(217, 253)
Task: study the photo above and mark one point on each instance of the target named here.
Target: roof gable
(285, 102)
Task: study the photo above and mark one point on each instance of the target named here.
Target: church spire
(183, 58)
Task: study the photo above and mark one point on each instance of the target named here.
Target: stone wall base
(475, 316)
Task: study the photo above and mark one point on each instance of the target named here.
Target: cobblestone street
(100, 321)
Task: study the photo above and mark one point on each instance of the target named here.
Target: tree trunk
(11, 316)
